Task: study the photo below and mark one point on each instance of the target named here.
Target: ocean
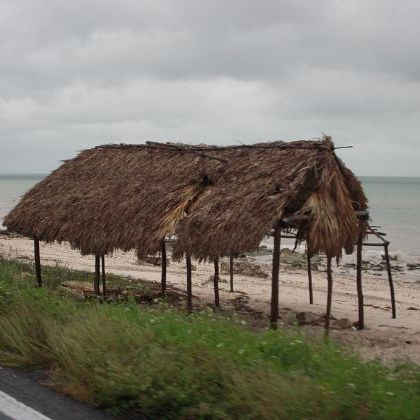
(394, 205)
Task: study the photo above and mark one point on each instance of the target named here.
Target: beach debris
(71, 293)
(141, 292)
(309, 318)
(413, 266)
(342, 324)
(392, 257)
(193, 267)
(413, 308)
(210, 280)
(349, 265)
(294, 260)
(263, 250)
(245, 267)
(153, 259)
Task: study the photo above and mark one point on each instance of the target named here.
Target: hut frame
(298, 194)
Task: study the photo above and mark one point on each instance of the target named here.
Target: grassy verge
(161, 362)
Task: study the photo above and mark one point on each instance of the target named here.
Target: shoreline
(383, 337)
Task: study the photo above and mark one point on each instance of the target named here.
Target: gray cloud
(75, 74)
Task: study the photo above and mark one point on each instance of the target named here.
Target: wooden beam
(184, 149)
(103, 276)
(97, 275)
(163, 277)
(274, 315)
(311, 294)
(361, 323)
(189, 283)
(329, 297)
(231, 272)
(390, 281)
(37, 258)
(216, 278)
(298, 218)
(295, 219)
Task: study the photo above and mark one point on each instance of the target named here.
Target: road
(23, 398)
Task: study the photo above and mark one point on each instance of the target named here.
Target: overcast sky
(74, 74)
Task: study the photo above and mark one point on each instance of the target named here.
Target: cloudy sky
(74, 74)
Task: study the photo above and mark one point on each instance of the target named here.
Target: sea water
(394, 204)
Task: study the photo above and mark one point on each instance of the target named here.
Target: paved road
(22, 398)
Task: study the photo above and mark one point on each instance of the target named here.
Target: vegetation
(158, 361)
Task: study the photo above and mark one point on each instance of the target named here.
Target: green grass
(166, 364)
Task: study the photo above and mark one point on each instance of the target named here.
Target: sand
(386, 338)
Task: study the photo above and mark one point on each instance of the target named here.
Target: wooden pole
(163, 277)
(361, 323)
(275, 279)
(37, 258)
(391, 283)
(329, 297)
(189, 283)
(231, 272)
(103, 276)
(311, 295)
(97, 275)
(216, 282)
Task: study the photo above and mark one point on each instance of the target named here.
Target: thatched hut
(218, 201)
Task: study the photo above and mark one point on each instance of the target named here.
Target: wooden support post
(97, 274)
(216, 282)
(103, 276)
(163, 277)
(189, 283)
(37, 258)
(311, 295)
(275, 279)
(391, 283)
(231, 272)
(329, 297)
(361, 323)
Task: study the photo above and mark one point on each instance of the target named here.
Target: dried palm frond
(185, 199)
(333, 224)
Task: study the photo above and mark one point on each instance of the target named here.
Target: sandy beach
(384, 337)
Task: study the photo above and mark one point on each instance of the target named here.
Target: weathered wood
(373, 244)
(189, 283)
(184, 149)
(311, 294)
(329, 297)
(231, 272)
(275, 279)
(294, 219)
(163, 277)
(390, 281)
(343, 147)
(97, 275)
(361, 323)
(37, 258)
(216, 278)
(297, 218)
(103, 276)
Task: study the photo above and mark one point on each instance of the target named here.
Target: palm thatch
(217, 200)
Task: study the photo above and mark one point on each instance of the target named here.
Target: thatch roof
(217, 200)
